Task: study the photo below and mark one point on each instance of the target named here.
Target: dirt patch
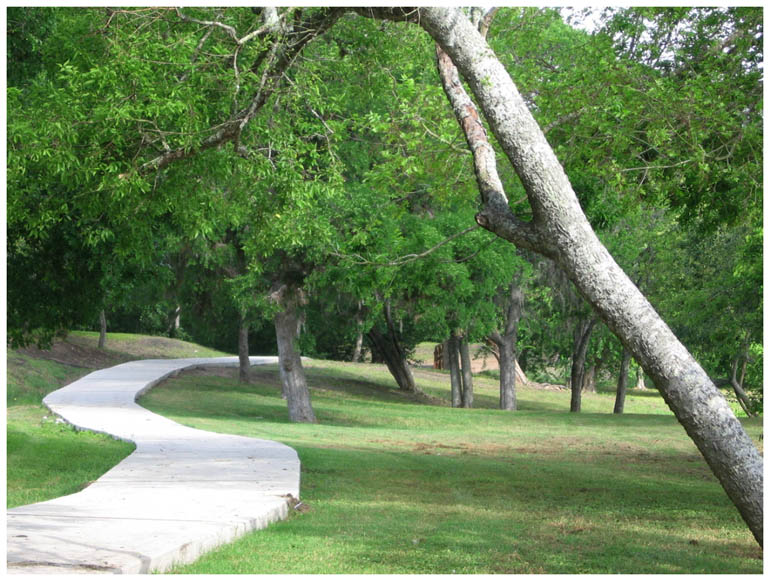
(230, 372)
(69, 352)
(546, 386)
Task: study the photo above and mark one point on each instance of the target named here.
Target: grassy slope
(45, 458)
(396, 486)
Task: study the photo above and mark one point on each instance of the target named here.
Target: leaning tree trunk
(467, 373)
(393, 353)
(294, 385)
(583, 331)
(244, 365)
(102, 329)
(387, 349)
(559, 229)
(455, 377)
(620, 396)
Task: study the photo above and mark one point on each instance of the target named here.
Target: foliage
(352, 161)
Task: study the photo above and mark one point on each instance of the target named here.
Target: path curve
(182, 492)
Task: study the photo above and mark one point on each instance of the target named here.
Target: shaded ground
(80, 349)
(77, 352)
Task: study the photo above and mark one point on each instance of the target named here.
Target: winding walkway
(182, 492)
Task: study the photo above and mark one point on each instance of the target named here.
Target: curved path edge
(181, 493)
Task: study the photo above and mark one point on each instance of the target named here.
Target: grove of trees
(324, 181)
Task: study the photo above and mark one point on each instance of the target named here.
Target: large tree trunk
(244, 365)
(467, 374)
(102, 329)
(560, 230)
(294, 385)
(620, 396)
(455, 377)
(583, 330)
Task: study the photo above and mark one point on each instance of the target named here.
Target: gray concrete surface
(181, 493)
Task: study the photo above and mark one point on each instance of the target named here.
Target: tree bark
(174, 321)
(506, 347)
(244, 365)
(438, 356)
(589, 380)
(560, 230)
(583, 331)
(294, 385)
(620, 395)
(455, 378)
(467, 374)
(743, 397)
(102, 329)
(388, 348)
(640, 378)
(357, 349)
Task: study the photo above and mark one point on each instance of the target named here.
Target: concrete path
(181, 493)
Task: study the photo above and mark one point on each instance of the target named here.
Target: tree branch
(407, 258)
(282, 56)
(496, 216)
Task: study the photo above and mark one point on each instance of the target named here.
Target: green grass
(130, 346)
(394, 485)
(29, 380)
(47, 459)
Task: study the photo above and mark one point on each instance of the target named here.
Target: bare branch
(562, 119)
(649, 167)
(486, 21)
(226, 27)
(196, 53)
(407, 258)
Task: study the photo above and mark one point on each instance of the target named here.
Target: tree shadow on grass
(218, 397)
(411, 512)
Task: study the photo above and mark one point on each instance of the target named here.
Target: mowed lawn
(397, 484)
